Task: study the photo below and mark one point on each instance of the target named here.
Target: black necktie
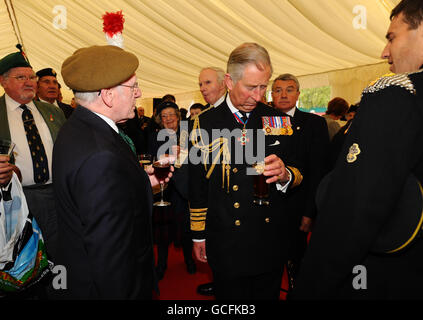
(38, 153)
(244, 117)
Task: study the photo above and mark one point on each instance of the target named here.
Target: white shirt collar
(110, 122)
(291, 112)
(219, 101)
(13, 105)
(232, 107)
(54, 103)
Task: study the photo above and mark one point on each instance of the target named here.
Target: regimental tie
(127, 140)
(36, 147)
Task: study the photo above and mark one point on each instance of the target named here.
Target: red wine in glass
(161, 171)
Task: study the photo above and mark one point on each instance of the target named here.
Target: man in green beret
(48, 89)
(33, 127)
(104, 197)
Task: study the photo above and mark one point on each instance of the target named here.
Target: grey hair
(220, 72)
(245, 54)
(287, 77)
(86, 97)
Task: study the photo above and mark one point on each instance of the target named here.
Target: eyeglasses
(289, 91)
(168, 116)
(23, 78)
(133, 87)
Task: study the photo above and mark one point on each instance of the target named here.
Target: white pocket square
(275, 143)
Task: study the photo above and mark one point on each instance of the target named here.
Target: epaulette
(400, 80)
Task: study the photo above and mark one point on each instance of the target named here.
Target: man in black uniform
(359, 247)
(311, 142)
(244, 244)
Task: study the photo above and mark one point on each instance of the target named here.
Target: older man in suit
(311, 142)
(48, 90)
(33, 126)
(104, 196)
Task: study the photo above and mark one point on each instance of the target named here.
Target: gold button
(235, 170)
(235, 187)
(237, 223)
(267, 220)
(236, 205)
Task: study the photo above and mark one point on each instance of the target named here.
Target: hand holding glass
(161, 171)
(261, 188)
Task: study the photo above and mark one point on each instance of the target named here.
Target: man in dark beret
(366, 243)
(48, 90)
(33, 126)
(104, 197)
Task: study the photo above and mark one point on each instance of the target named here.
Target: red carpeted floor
(178, 284)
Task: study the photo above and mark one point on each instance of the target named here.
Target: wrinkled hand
(306, 224)
(6, 170)
(199, 249)
(275, 169)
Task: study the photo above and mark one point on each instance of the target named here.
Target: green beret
(13, 60)
(98, 67)
(46, 72)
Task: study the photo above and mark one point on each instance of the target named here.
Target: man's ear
(107, 96)
(228, 81)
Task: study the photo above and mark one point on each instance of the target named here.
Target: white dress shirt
(22, 153)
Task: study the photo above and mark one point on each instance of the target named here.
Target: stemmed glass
(6, 147)
(161, 171)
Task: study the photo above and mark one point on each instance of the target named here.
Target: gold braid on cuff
(198, 219)
(298, 177)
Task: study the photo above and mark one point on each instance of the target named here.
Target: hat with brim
(404, 224)
(13, 60)
(98, 67)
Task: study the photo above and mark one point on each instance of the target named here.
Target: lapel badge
(353, 152)
(51, 117)
(280, 126)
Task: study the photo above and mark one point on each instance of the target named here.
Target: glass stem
(161, 190)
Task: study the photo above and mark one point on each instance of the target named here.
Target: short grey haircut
(86, 97)
(287, 77)
(220, 72)
(245, 54)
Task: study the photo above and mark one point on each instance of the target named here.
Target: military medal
(243, 139)
(277, 126)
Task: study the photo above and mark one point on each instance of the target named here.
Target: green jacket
(52, 115)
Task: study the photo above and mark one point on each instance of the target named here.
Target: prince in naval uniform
(245, 245)
(365, 244)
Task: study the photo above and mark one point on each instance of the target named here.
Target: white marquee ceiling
(174, 39)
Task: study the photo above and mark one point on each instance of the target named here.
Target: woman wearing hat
(171, 223)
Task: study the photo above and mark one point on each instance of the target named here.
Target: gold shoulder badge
(399, 80)
(353, 153)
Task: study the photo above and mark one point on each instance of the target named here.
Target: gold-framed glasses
(22, 78)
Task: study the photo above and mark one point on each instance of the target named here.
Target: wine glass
(6, 147)
(261, 188)
(161, 171)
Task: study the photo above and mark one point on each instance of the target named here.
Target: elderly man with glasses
(104, 196)
(33, 126)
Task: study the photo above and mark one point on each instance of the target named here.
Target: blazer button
(235, 187)
(267, 220)
(236, 205)
(237, 223)
(235, 170)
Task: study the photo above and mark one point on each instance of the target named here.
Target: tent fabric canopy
(175, 39)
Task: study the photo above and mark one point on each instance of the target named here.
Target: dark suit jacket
(241, 239)
(381, 150)
(104, 202)
(311, 144)
(66, 108)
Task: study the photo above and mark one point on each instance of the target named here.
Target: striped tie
(38, 153)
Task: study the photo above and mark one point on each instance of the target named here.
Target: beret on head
(46, 72)
(98, 67)
(166, 104)
(13, 60)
